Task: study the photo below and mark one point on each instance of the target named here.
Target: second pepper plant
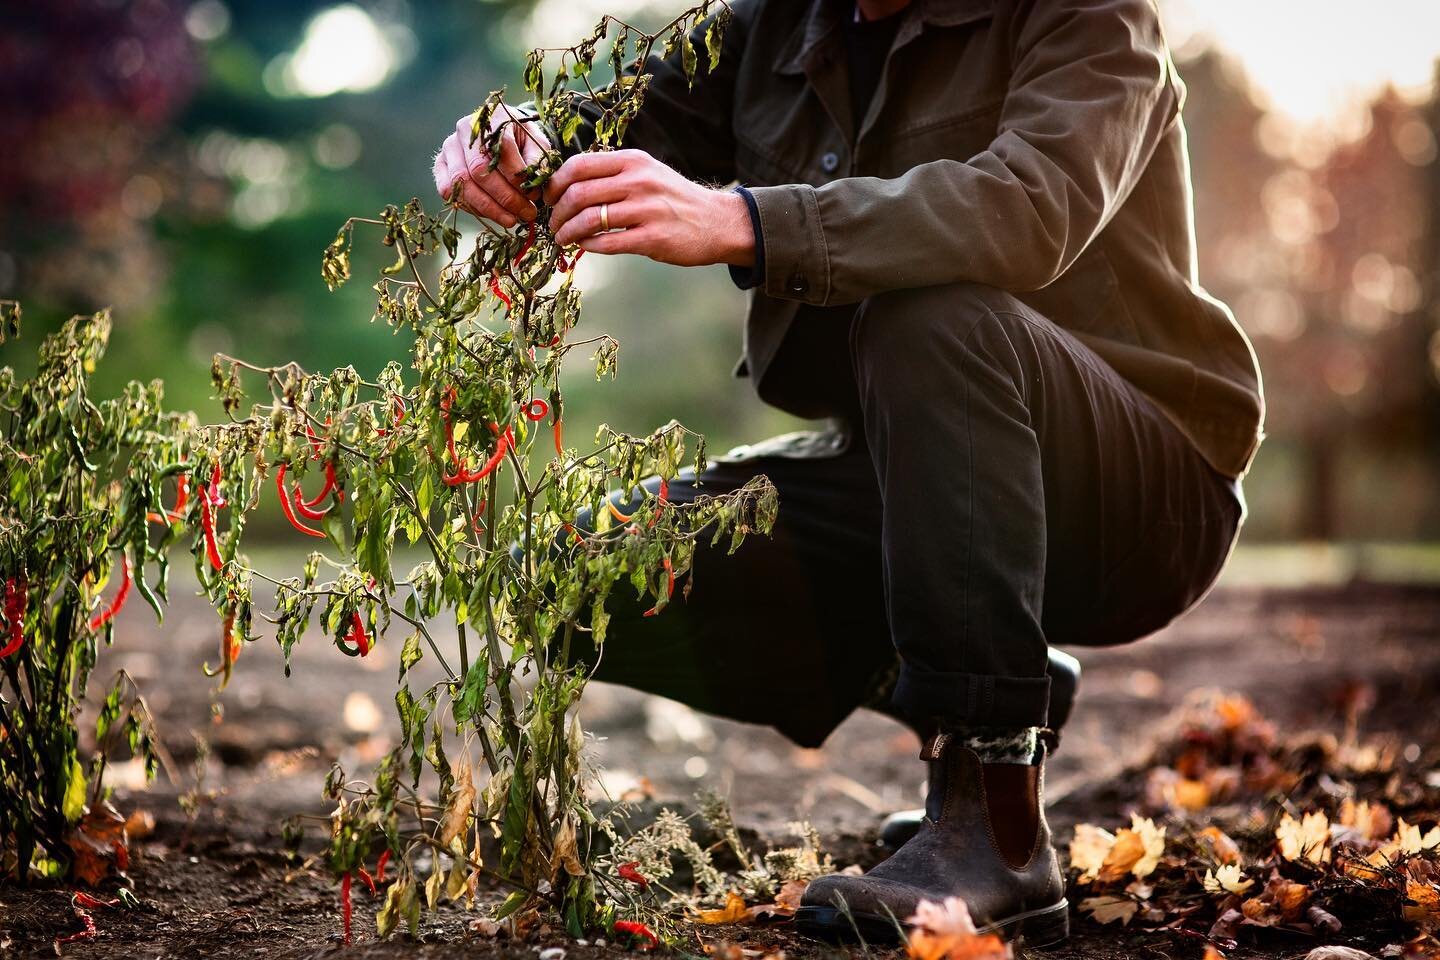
(464, 456)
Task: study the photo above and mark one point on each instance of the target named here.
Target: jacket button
(797, 283)
(829, 162)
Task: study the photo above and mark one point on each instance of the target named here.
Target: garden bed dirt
(216, 882)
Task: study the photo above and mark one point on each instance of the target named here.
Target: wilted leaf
(1089, 849)
(1305, 839)
(1423, 905)
(462, 798)
(1221, 847)
(734, 911)
(99, 845)
(945, 931)
(1228, 879)
(1137, 851)
(1108, 909)
(1412, 841)
(1368, 821)
(566, 852)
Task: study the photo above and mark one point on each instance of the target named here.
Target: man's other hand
(651, 210)
(463, 170)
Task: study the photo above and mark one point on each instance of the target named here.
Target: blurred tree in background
(186, 161)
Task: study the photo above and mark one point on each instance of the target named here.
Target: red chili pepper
(182, 497)
(629, 871)
(380, 866)
(661, 498)
(615, 512)
(356, 635)
(557, 429)
(576, 259)
(669, 586)
(345, 906)
(507, 440)
(16, 596)
(83, 899)
(562, 264)
(207, 526)
(213, 491)
(369, 880)
(637, 929)
(229, 645)
(570, 527)
(500, 294)
(401, 410)
(121, 595)
(317, 445)
(289, 508)
(529, 242)
(307, 507)
(88, 933)
(554, 342)
(536, 410)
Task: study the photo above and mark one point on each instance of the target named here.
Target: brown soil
(219, 885)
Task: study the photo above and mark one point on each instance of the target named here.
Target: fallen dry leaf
(1228, 879)
(1137, 851)
(1220, 846)
(1089, 849)
(945, 931)
(1305, 839)
(734, 911)
(99, 845)
(1368, 821)
(1108, 909)
(1412, 841)
(1422, 906)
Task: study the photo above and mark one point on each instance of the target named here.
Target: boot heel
(1048, 928)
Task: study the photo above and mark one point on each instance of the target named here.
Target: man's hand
(652, 211)
(493, 194)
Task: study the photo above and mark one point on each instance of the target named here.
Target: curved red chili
(615, 512)
(345, 905)
(182, 497)
(380, 866)
(529, 242)
(558, 431)
(637, 929)
(213, 490)
(16, 596)
(669, 569)
(289, 508)
(307, 507)
(207, 527)
(630, 871)
(356, 635)
(536, 410)
(496, 289)
(121, 595)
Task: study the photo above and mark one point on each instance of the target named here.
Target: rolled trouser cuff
(973, 699)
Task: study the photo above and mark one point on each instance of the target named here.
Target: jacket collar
(808, 44)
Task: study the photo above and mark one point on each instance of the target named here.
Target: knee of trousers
(953, 329)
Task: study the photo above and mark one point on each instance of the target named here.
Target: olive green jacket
(1032, 145)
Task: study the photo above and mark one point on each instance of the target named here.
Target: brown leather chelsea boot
(984, 839)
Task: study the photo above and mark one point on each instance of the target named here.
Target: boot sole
(1046, 927)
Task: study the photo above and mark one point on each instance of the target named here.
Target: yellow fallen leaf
(1108, 909)
(1137, 850)
(1412, 842)
(1372, 821)
(1305, 839)
(1423, 906)
(945, 931)
(733, 912)
(1089, 849)
(1228, 879)
(1222, 848)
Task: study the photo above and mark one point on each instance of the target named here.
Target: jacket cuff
(797, 262)
(747, 278)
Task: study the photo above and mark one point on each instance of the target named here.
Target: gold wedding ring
(604, 218)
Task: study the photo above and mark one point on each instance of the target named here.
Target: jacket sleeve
(687, 127)
(1091, 94)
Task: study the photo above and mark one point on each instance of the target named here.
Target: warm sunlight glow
(343, 49)
(1316, 62)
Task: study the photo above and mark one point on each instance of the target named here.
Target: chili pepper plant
(82, 528)
(464, 456)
